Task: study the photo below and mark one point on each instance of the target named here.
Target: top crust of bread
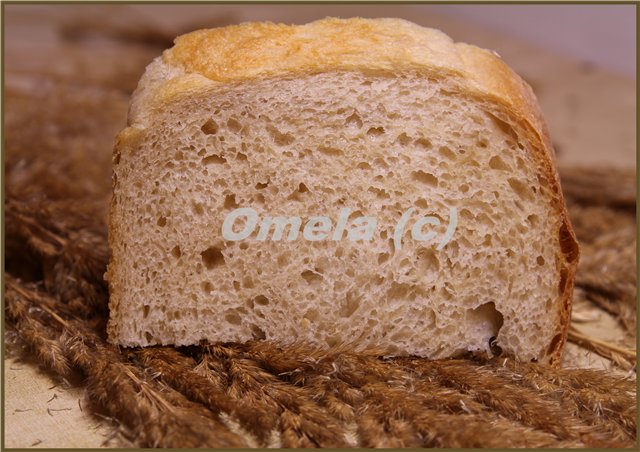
(207, 58)
(264, 49)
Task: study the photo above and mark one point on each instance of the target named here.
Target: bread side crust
(206, 58)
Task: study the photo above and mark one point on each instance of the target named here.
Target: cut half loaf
(375, 116)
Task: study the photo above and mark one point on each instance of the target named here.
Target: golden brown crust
(264, 50)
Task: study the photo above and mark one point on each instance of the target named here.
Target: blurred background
(69, 71)
(602, 34)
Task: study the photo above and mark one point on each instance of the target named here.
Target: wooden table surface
(590, 112)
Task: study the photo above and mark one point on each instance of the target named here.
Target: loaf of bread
(443, 229)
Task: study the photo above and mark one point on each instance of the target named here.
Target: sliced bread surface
(375, 116)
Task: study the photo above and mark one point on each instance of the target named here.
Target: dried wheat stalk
(624, 357)
(162, 395)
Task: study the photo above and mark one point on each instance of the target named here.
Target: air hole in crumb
(375, 131)
(425, 178)
(354, 120)
(382, 194)
(210, 127)
(261, 186)
(233, 317)
(198, 209)
(503, 126)
(257, 332)
(424, 143)
(148, 336)
(261, 300)
(207, 287)
(447, 153)
(364, 165)
(403, 139)
(520, 188)
(212, 257)
(302, 188)
(392, 246)
(311, 314)
(162, 221)
(398, 291)
(380, 162)
(400, 335)
(234, 125)
(485, 317)
(279, 138)
(334, 152)
(311, 277)
(305, 153)
(145, 311)
(540, 260)
(497, 163)
(230, 202)
(175, 252)
(213, 160)
(350, 305)
(429, 261)
(355, 214)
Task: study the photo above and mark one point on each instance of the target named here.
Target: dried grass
(171, 397)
